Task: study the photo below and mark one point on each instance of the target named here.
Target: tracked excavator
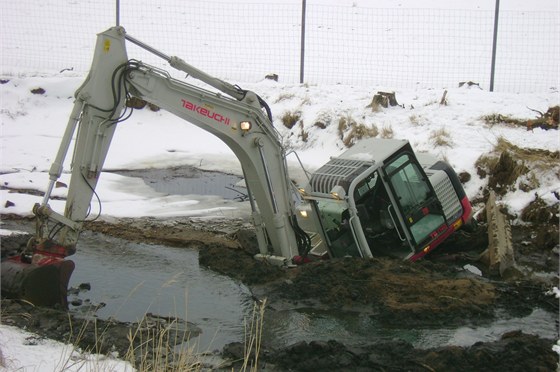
(378, 197)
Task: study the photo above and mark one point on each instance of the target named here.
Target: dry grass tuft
(343, 124)
(162, 346)
(507, 164)
(541, 158)
(493, 119)
(304, 135)
(387, 132)
(351, 131)
(441, 138)
(414, 120)
(375, 106)
(289, 119)
(152, 347)
(253, 337)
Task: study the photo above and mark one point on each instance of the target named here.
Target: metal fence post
(118, 13)
(494, 45)
(302, 50)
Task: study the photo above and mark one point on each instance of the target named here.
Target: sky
(32, 126)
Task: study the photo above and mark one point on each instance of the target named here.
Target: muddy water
(287, 327)
(132, 279)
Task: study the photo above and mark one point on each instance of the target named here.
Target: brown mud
(436, 290)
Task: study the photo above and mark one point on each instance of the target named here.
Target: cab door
(415, 204)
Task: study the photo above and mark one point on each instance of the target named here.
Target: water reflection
(286, 327)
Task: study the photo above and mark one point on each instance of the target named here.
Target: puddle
(132, 279)
(188, 180)
(540, 322)
(284, 328)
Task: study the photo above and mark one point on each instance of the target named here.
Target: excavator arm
(238, 117)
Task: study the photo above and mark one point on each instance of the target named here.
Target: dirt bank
(437, 290)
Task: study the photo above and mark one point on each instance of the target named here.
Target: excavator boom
(238, 118)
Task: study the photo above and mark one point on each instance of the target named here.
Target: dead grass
(152, 348)
(350, 131)
(414, 120)
(387, 132)
(539, 212)
(289, 119)
(545, 120)
(323, 120)
(493, 119)
(253, 337)
(343, 124)
(164, 347)
(73, 357)
(441, 138)
(508, 163)
(304, 135)
(374, 106)
(305, 101)
(540, 158)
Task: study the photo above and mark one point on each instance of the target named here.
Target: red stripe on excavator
(467, 210)
(51, 249)
(430, 247)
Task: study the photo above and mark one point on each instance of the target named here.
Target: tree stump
(272, 77)
(384, 99)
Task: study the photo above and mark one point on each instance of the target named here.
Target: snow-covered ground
(32, 126)
(24, 351)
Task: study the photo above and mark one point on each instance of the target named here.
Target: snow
(24, 351)
(32, 126)
(473, 269)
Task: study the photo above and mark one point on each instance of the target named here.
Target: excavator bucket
(43, 284)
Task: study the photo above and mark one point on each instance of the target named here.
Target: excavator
(376, 198)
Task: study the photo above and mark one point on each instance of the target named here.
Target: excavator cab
(378, 198)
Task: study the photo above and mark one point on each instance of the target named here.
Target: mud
(435, 291)
(401, 356)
